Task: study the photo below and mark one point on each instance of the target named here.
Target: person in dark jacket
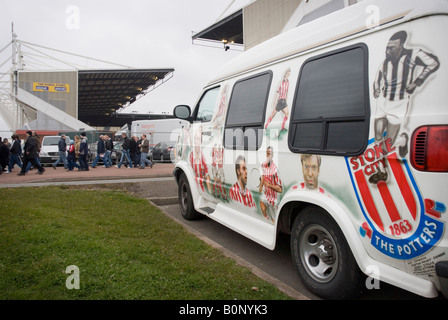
(83, 152)
(30, 155)
(4, 154)
(62, 151)
(15, 153)
(133, 148)
(144, 149)
(71, 157)
(125, 152)
(109, 147)
(100, 150)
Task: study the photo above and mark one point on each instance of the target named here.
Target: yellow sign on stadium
(51, 87)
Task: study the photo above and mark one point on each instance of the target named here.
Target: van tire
(186, 204)
(322, 256)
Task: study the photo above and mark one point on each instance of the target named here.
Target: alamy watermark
(373, 17)
(373, 279)
(73, 280)
(73, 20)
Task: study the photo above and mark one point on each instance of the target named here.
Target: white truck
(163, 130)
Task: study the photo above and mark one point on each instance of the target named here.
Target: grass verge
(123, 247)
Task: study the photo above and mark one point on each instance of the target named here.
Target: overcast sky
(135, 33)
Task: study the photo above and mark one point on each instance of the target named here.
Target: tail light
(429, 149)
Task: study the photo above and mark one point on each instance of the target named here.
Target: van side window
(330, 112)
(206, 106)
(245, 116)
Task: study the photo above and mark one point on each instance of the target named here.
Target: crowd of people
(12, 154)
(134, 153)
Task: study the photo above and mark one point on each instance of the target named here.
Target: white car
(49, 149)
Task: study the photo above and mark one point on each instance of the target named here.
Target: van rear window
(331, 106)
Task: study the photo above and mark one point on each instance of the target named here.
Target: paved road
(277, 263)
(97, 175)
(274, 266)
(158, 185)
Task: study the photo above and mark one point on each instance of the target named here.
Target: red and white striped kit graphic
(389, 201)
(200, 169)
(270, 174)
(243, 196)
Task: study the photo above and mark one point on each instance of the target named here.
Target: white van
(48, 153)
(336, 133)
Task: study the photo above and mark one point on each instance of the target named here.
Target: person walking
(62, 152)
(4, 154)
(83, 152)
(37, 140)
(144, 149)
(71, 157)
(125, 152)
(30, 155)
(139, 151)
(100, 150)
(77, 145)
(15, 153)
(109, 147)
(134, 150)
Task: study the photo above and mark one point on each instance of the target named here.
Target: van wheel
(186, 200)
(322, 256)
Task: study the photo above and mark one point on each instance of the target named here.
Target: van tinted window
(331, 106)
(246, 112)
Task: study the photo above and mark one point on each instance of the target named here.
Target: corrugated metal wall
(264, 19)
(65, 101)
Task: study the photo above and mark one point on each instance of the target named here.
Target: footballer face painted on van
(310, 170)
(241, 170)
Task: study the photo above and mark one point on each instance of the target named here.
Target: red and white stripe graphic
(241, 196)
(388, 202)
(200, 169)
(270, 174)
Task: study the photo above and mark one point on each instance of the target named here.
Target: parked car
(150, 157)
(92, 152)
(116, 153)
(162, 151)
(49, 150)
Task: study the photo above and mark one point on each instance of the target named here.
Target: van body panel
(281, 128)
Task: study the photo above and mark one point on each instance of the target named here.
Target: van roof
(348, 22)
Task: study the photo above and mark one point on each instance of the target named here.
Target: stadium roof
(102, 92)
(229, 29)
